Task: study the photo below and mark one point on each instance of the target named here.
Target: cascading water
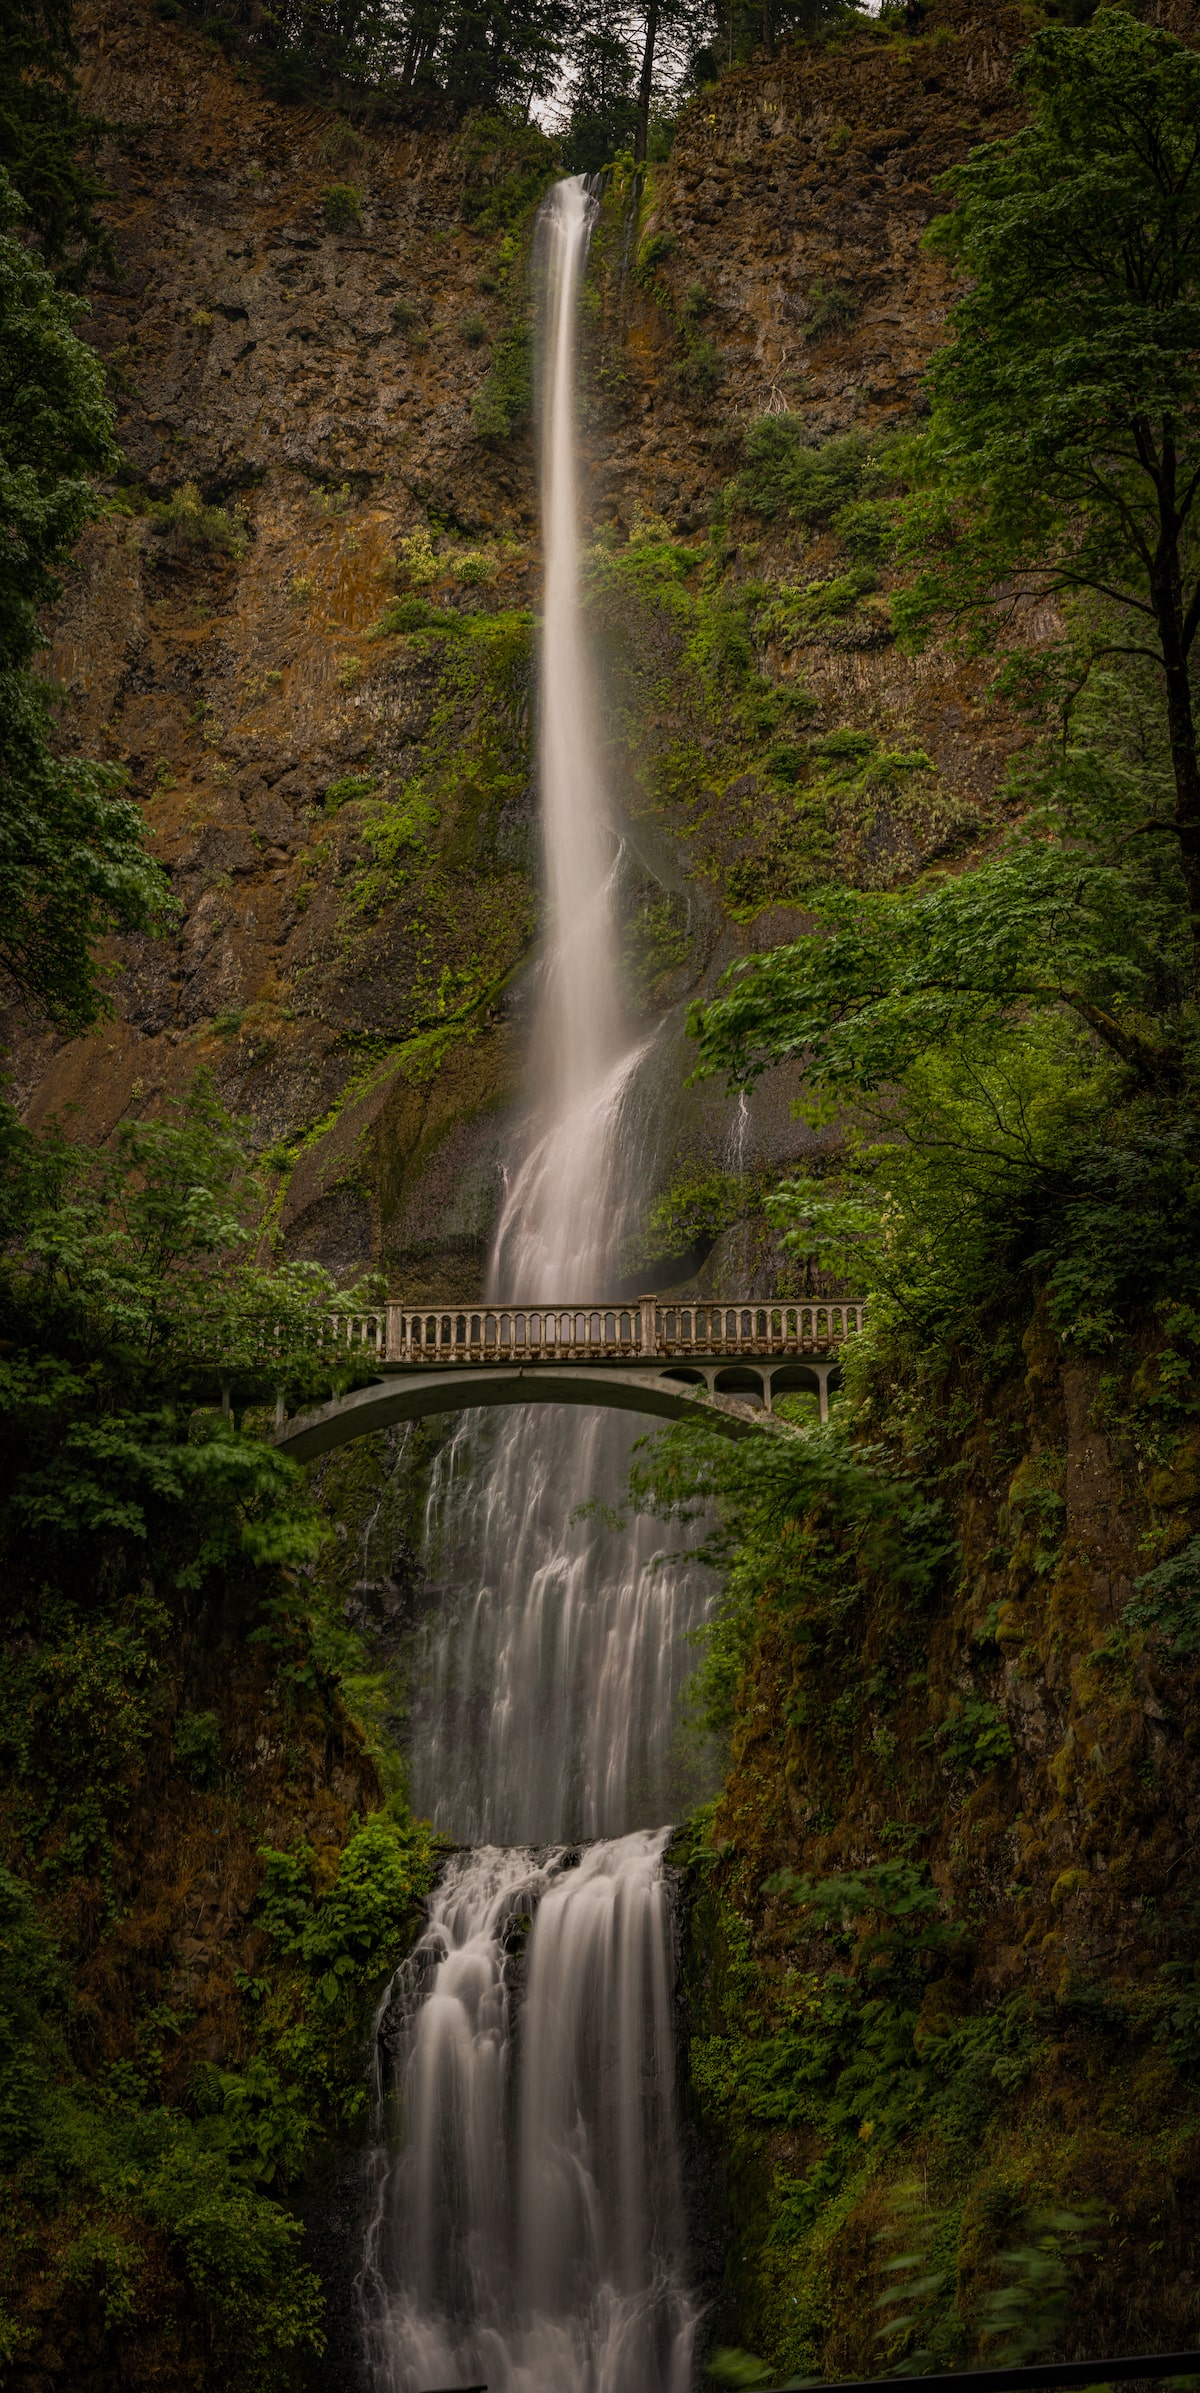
(528, 2228)
(530, 2234)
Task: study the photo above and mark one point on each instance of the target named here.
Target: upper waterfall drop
(567, 1203)
(581, 1028)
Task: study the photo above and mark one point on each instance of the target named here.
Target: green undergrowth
(922, 1949)
(368, 1582)
(203, 1884)
(917, 2177)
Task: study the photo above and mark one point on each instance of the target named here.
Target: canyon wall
(318, 421)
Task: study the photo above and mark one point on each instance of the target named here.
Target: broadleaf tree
(1063, 454)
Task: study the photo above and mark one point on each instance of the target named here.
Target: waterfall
(547, 1681)
(530, 2234)
(526, 2226)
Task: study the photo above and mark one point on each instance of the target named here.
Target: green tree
(1008, 1050)
(142, 1260)
(1064, 451)
(139, 1528)
(436, 58)
(72, 860)
(604, 111)
(46, 135)
(744, 26)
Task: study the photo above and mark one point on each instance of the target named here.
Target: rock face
(316, 419)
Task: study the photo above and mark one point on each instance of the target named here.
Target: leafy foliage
(784, 473)
(1064, 452)
(133, 1518)
(138, 1260)
(1168, 1600)
(188, 522)
(1010, 1047)
(72, 862)
(341, 207)
(503, 402)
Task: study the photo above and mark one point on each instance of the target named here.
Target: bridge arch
(664, 1394)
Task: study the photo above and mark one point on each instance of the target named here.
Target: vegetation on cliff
(943, 1944)
(941, 1968)
(167, 1700)
(72, 855)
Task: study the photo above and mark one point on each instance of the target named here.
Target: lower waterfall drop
(529, 2233)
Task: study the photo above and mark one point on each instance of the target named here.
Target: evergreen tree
(45, 133)
(744, 26)
(603, 103)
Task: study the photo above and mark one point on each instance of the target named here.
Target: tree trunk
(1170, 616)
(646, 84)
(1181, 726)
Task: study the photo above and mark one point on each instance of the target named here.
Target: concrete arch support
(415, 1395)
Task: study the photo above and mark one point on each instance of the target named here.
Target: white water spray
(528, 2229)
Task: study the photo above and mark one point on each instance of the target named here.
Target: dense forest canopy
(568, 62)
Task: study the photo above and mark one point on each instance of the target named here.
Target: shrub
(829, 310)
(187, 522)
(474, 568)
(473, 331)
(331, 501)
(403, 315)
(341, 207)
(654, 248)
(782, 474)
(197, 1743)
(416, 562)
(865, 527)
(504, 400)
(339, 142)
(507, 167)
(700, 370)
(415, 614)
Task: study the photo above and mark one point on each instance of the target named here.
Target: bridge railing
(639, 1331)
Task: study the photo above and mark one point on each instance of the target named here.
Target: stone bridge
(730, 1359)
